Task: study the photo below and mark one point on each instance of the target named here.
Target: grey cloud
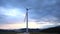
(3, 19)
(40, 8)
(14, 3)
(9, 4)
(47, 7)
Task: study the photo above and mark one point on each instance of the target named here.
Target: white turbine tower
(26, 20)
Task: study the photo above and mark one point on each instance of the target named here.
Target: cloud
(12, 3)
(2, 18)
(9, 15)
(48, 9)
(33, 25)
(41, 11)
(39, 8)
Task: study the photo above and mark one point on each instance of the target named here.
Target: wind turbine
(26, 20)
(26, 16)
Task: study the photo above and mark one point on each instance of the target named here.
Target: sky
(42, 13)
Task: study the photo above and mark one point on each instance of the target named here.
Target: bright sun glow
(12, 12)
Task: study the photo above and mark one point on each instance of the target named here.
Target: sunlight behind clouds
(12, 14)
(32, 25)
(12, 11)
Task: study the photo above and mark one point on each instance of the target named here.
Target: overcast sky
(43, 13)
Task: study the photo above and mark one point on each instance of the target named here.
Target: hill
(54, 29)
